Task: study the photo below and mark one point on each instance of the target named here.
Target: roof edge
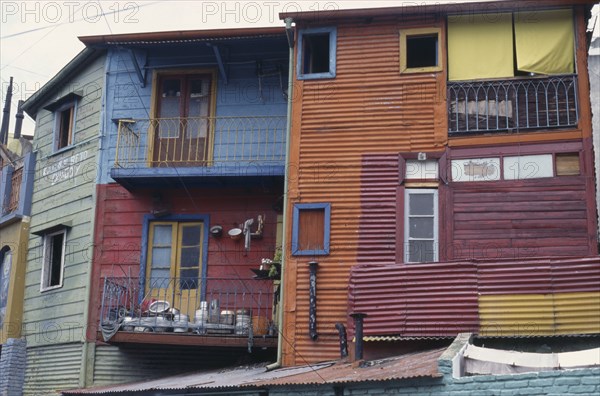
(33, 104)
(432, 8)
(180, 35)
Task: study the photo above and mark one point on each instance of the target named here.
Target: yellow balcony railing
(199, 141)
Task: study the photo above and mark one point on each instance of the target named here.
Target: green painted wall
(54, 321)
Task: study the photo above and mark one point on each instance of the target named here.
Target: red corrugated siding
(441, 299)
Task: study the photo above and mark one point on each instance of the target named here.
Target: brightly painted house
(436, 133)
(189, 201)
(18, 166)
(56, 294)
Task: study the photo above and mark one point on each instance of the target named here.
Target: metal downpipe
(290, 96)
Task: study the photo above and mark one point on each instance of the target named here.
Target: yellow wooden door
(175, 263)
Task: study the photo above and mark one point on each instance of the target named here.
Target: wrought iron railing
(512, 105)
(221, 307)
(199, 141)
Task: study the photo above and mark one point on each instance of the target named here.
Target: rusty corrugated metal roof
(414, 365)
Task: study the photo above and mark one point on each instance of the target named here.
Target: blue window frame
(316, 53)
(308, 222)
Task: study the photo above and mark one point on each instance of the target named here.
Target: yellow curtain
(545, 41)
(480, 46)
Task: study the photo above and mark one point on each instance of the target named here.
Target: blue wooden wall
(239, 96)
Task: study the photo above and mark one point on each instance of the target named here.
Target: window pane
(191, 235)
(421, 204)
(190, 257)
(56, 247)
(162, 235)
(159, 278)
(161, 257)
(170, 97)
(421, 227)
(189, 279)
(420, 251)
(316, 53)
(421, 51)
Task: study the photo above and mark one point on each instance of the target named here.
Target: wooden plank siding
(369, 107)
(64, 193)
(119, 230)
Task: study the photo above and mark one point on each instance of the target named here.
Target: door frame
(155, 95)
(203, 218)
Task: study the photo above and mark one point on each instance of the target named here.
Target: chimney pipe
(6, 113)
(343, 340)
(312, 313)
(358, 334)
(19, 120)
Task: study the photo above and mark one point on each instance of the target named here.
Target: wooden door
(181, 129)
(175, 264)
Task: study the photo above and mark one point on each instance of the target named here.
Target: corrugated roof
(421, 7)
(413, 365)
(181, 36)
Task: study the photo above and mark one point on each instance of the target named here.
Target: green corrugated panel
(52, 368)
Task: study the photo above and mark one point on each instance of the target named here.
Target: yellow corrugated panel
(577, 313)
(539, 314)
(516, 314)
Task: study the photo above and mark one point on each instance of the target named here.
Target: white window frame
(47, 256)
(407, 238)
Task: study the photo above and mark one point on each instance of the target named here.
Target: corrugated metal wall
(130, 363)
(532, 218)
(368, 108)
(51, 368)
(519, 297)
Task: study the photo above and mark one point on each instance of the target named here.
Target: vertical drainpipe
(288, 128)
(312, 306)
(6, 113)
(358, 334)
(343, 340)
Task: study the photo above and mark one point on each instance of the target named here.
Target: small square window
(53, 260)
(316, 53)
(420, 50)
(310, 233)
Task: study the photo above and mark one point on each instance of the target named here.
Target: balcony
(185, 311)
(522, 104)
(199, 147)
(12, 203)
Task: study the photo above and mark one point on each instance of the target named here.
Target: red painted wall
(119, 219)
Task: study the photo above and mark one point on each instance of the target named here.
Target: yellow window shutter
(480, 46)
(545, 41)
